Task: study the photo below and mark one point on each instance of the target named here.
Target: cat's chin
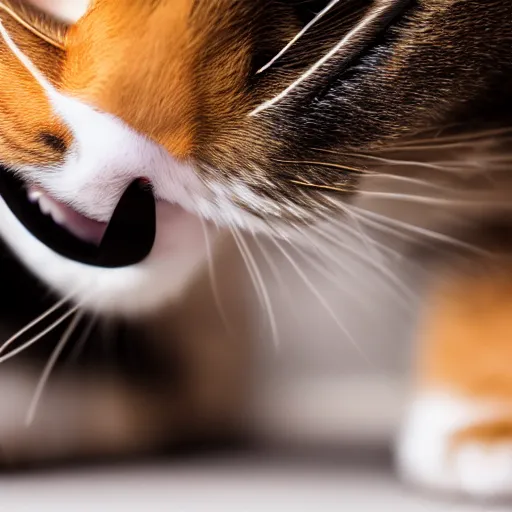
(179, 251)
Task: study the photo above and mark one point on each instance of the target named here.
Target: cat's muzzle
(127, 239)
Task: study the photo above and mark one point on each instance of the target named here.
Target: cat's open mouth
(125, 240)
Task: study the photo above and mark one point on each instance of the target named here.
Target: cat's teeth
(34, 195)
(58, 216)
(44, 205)
(75, 223)
(47, 206)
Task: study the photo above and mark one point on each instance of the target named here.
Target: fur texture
(375, 103)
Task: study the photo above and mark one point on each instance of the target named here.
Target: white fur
(70, 10)
(130, 290)
(105, 157)
(425, 457)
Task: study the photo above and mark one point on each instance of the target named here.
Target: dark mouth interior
(129, 237)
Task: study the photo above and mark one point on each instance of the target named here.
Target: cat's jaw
(178, 252)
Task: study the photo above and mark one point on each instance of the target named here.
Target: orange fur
(148, 63)
(489, 433)
(466, 346)
(467, 335)
(138, 66)
(26, 117)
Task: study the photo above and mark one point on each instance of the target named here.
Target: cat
(156, 155)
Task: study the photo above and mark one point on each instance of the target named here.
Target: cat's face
(173, 92)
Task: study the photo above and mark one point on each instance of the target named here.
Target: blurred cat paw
(457, 447)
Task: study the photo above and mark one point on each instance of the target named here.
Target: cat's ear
(42, 25)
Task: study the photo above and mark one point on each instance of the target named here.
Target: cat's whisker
(434, 201)
(467, 137)
(471, 144)
(318, 264)
(212, 275)
(357, 232)
(373, 174)
(381, 7)
(316, 186)
(370, 243)
(453, 167)
(309, 25)
(83, 339)
(258, 282)
(378, 247)
(50, 366)
(413, 181)
(276, 274)
(384, 228)
(41, 335)
(356, 170)
(496, 158)
(34, 323)
(399, 228)
(458, 167)
(405, 294)
(414, 198)
(322, 300)
(392, 162)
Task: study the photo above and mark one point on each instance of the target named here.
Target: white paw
(427, 457)
(485, 470)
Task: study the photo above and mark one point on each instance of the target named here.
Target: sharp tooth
(57, 216)
(45, 205)
(34, 195)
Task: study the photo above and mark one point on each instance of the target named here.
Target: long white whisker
(379, 247)
(313, 22)
(330, 276)
(273, 267)
(35, 339)
(384, 228)
(371, 244)
(411, 181)
(378, 266)
(34, 322)
(212, 275)
(26, 62)
(367, 20)
(448, 140)
(387, 223)
(259, 283)
(322, 300)
(394, 162)
(49, 367)
(432, 201)
(82, 340)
